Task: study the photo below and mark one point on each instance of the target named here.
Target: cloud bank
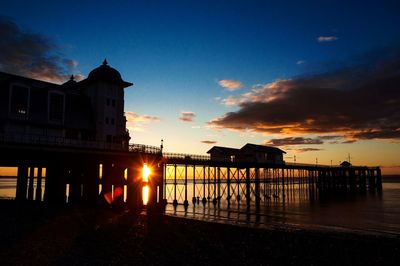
(360, 102)
(32, 55)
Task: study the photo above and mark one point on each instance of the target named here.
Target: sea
(363, 212)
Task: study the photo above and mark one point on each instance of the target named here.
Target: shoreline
(33, 234)
(299, 227)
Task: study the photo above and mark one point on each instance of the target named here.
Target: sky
(319, 79)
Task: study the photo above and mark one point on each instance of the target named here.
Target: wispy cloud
(187, 116)
(138, 122)
(308, 149)
(327, 38)
(32, 55)
(230, 84)
(300, 62)
(294, 141)
(359, 102)
(208, 141)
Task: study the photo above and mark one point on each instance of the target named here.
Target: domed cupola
(108, 74)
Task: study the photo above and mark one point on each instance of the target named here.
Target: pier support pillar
(248, 191)
(228, 186)
(39, 185)
(75, 176)
(118, 180)
(91, 183)
(378, 180)
(106, 181)
(22, 179)
(134, 188)
(54, 192)
(257, 187)
(371, 180)
(31, 179)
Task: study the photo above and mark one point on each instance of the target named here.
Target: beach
(38, 234)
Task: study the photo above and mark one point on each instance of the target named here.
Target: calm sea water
(364, 212)
(368, 212)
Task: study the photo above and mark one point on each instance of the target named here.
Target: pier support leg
(134, 188)
(186, 202)
(22, 179)
(229, 186)
(118, 181)
(378, 180)
(39, 185)
(54, 192)
(257, 187)
(91, 183)
(75, 188)
(248, 195)
(31, 179)
(194, 185)
(204, 200)
(106, 180)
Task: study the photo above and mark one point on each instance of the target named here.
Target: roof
(224, 150)
(262, 148)
(108, 74)
(345, 164)
(7, 77)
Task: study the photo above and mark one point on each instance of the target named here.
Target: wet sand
(41, 235)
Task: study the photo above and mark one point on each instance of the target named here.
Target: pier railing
(184, 156)
(141, 148)
(58, 141)
(33, 139)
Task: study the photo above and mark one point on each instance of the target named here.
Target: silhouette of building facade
(85, 113)
(248, 153)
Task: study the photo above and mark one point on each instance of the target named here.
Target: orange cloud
(358, 102)
(138, 122)
(230, 84)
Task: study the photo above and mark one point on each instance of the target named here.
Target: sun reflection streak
(145, 194)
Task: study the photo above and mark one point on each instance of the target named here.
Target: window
(113, 103)
(56, 107)
(107, 120)
(108, 101)
(19, 101)
(109, 138)
(112, 121)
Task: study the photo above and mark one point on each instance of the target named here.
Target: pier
(94, 174)
(196, 180)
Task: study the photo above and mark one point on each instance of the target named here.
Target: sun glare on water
(145, 194)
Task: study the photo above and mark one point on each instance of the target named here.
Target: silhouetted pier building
(73, 137)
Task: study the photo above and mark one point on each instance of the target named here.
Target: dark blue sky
(175, 52)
